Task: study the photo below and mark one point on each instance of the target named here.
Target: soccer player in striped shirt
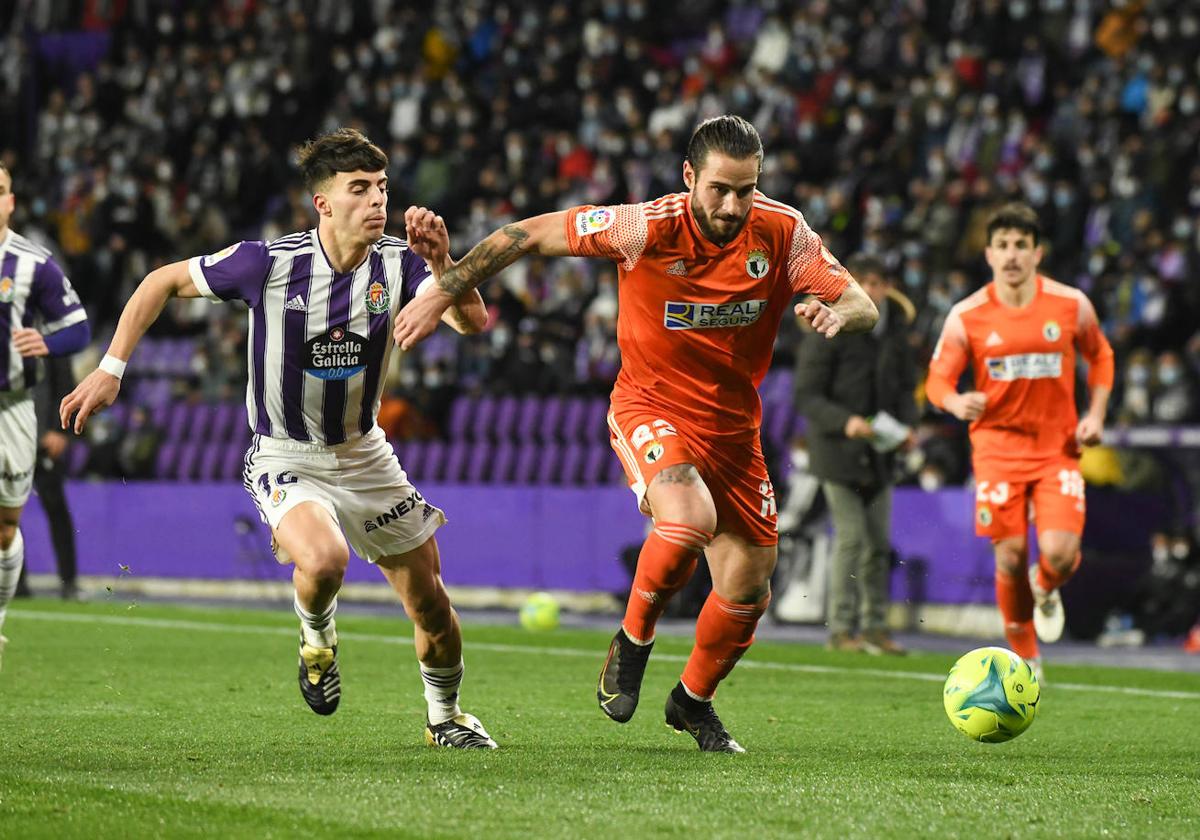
(40, 315)
(705, 279)
(1021, 333)
(319, 469)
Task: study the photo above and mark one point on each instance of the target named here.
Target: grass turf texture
(134, 721)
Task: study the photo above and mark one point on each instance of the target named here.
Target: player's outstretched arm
(430, 240)
(545, 235)
(99, 388)
(852, 312)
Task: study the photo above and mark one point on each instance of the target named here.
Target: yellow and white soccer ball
(991, 695)
(539, 612)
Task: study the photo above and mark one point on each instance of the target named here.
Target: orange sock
(1015, 599)
(724, 631)
(666, 562)
(1049, 579)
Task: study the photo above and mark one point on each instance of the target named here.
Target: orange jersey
(1024, 361)
(697, 322)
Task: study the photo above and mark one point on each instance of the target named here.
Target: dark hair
(343, 150)
(860, 265)
(1015, 216)
(730, 135)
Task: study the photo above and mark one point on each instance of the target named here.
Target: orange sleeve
(617, 232)
(950, 358)
(812, 270)
(1094, 346)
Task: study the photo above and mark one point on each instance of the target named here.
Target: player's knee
(325, 563)
(8, 535)
(1010, 560)
(429, 610)
(679, 495)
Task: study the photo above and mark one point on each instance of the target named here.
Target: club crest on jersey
(1051, 331)
(682, 315)
(593, 221)
(985, 516)
(278, 496)
(6, 289)
(757, 264)
(653, 452)
(213, 259)
(336, 354)
(378, 299)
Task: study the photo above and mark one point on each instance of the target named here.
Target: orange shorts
(1053, 500)
(736, 474)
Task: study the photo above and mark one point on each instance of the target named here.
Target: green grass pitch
(161, 721)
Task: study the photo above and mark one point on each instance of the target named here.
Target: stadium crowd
(140, 133)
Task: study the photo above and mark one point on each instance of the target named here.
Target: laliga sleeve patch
(213, 259)
(593, 221)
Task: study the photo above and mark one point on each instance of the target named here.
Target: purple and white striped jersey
(34, 292)
(319, 341)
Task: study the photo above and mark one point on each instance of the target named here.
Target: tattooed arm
(543, 235)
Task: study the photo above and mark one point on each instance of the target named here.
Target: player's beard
(710, 231)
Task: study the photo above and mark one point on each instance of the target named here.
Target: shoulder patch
(592, 221)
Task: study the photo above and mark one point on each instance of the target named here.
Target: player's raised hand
(968, 406)
(823, 319)
(420, 316)
(97, 391)
(1089, 431)
(427, 236)
(29, 342)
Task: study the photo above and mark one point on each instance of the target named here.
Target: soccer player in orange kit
(1021, 331)
(705, 279)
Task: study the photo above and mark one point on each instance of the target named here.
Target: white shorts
(18, 447)
(360, 483)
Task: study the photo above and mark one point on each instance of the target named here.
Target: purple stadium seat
(189, 457)
(481, 423)
(527, 417)
(506, 418)
(461, 413)
(456, 461)
(77, 457)
(548, 471)
(177, 422)
(201, 423)
(504, 458)
(525, 470)
(435, 458)
(595, 426)
(412, 457)
(595, 464)
(550, 419)
(570, 466)
(210, 462)
(479, 461)
(164, 463)
(233, 458)
(614, 472)
(573, 418)
(225, 419)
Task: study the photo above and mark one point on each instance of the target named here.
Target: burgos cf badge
(985, 516)
(592, 221)
(757, 264)
(379, 299)
(653, 452)
(1051, 331)
(6, 289)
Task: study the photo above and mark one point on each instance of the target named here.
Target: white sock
(441, 691)
(317, 630)
(11, 560)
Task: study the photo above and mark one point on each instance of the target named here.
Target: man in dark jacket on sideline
(851, 389)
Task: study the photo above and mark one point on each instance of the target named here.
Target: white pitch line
(205, 626)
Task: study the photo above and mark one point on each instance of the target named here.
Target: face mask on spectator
(1168, 375)
(1138, 374)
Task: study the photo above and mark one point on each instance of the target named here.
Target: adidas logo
(296, 304)
(994, 340)
(677, 268)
